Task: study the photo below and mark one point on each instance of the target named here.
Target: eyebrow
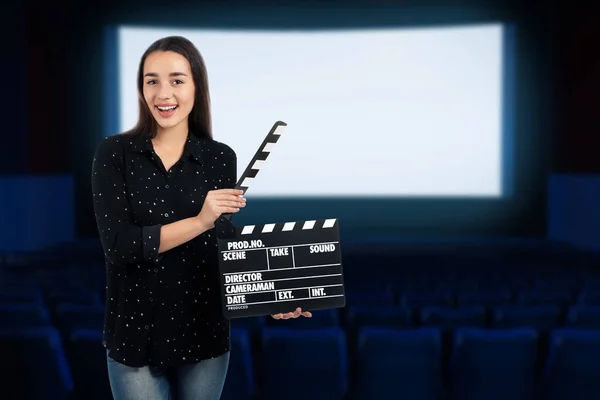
(154, 74)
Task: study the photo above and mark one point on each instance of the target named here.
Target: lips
(166, 111)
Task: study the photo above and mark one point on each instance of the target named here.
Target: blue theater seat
(398, 284)
(561, 298)
(370, 298)
(402, 364)
(589, 297)
(87, 358)
(240, 375)
(252, 324)
(458, 284)
(486, 298)
(363, 316)
(358, 283)
(418, 299)
(34, 365)
(21, 316)
(82, 296)
(494, 364)
(572, 367)
(557, 283)
(70, 317)
(447, 318)
(300, 364)
(592, 283)
(583, 317)
(541, 318)
(31, 295)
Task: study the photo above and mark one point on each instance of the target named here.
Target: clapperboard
(275, 268)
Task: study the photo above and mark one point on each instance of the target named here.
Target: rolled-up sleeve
(123, 241)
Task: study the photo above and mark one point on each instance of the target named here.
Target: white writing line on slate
(280, 269)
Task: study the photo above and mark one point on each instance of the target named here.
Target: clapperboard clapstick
(275, 268)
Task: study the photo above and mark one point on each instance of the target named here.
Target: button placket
(171, 187)
(167, 186)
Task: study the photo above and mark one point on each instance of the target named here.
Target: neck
(174, 136)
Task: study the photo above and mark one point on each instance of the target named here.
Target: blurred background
(456, 141)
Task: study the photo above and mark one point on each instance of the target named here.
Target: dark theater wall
(13, 148)
(574, 187)
(578, 88)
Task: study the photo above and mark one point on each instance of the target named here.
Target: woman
(157, 191)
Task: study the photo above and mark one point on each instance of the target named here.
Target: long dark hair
(199, 120)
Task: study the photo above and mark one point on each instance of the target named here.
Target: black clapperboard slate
(275, 268)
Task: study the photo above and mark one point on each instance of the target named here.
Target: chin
(167, 124)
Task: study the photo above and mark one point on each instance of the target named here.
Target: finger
(227, 197)
(230, 203)
(235, 192)
(228, 210)
(218, 194)
(277, 316)
(307, 314)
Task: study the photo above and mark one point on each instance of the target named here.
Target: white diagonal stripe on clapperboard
(247, 182)
(268, 147)
(288, 226)
(258, 164)
(268, 228)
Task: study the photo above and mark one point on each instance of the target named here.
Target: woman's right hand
(218, 202)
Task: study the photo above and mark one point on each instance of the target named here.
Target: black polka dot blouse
(161, 309)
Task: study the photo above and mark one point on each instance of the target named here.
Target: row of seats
(315, 364)
(541, 318)
(513, 285)
(67, 317)
(414, 328)
(77, 323)
(408, 298)
(396, 281)
(488, 298)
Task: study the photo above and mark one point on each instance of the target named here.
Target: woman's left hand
(294, 314)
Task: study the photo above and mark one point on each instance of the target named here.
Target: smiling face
(168, 89)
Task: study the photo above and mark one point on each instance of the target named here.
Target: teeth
(167, 108)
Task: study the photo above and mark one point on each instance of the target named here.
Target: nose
(164, 93)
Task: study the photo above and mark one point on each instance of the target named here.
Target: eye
(152, 82)
(177, 81)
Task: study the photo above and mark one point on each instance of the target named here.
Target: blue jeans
(200, 381)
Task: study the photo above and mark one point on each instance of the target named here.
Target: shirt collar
(140, 144)
(193, 146)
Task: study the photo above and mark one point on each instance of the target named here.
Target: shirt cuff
(151, 243)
